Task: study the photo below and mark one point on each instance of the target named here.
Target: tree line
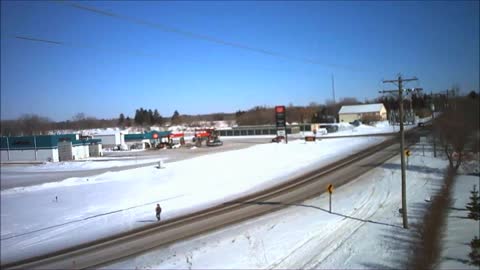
(31, 124)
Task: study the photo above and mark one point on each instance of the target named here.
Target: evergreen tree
(138, 116)
(475, 253)
(474, 205)
(144, 116)
(157, 118)
(176, 118)
(121, 120)
(150, 120)
(128, 121)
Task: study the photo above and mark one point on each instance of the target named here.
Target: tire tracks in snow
(330, 242)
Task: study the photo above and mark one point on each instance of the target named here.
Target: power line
(74, 45)
(56, 42)
(193, 35)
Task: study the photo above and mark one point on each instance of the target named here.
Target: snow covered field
(82, 165)
(460, 230)
(34, 222)
(364, 230)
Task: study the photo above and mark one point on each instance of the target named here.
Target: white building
(350, 113)
(111, 139)
(50, 148)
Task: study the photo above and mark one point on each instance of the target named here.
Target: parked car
(215, 142)
(355, 123)
(278, 139)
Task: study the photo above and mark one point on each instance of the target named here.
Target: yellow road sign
(408, 153)
(330, 188)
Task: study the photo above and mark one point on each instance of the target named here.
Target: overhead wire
(165, 28)
(56, 42)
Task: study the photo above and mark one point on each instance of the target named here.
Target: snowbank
(460, 229)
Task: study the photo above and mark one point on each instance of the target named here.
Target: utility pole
(432, 107)
(333, 89)
(400, 90)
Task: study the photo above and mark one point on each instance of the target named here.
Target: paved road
(11, 179)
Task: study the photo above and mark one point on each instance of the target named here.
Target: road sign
(281, 132)
(330, 188)
(407, 152)
(330, 191)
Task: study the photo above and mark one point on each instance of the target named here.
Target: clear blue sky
(112, 66)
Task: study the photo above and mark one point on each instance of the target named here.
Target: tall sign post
(280, 120)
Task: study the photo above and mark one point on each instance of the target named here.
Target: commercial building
(49, 148)
(261, 130)
(110, 139)
(350, 113)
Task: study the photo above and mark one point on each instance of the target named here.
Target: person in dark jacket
(158, 210)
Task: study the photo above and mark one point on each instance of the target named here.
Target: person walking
(158, 210)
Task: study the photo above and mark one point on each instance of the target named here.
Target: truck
(209, 135)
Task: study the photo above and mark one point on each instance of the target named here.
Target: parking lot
(17, 177)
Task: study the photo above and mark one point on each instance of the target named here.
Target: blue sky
(110, 66)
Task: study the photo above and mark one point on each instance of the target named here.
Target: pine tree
(157, 117)
(138, 116)
(121, 120)
(474, 205)
(475, 253)
(176, 118)
(149, 119)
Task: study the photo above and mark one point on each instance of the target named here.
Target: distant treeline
(31, 124)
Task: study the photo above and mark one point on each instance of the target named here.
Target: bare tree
(456, 127)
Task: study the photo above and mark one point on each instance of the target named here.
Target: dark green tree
(121, 120)
(474, 205)
(138, 119)
(475, 253)
(150, 120)
(176, 118)
(145, 117)
(157, 118)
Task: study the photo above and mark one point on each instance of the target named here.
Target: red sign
(155, 135)
(280, 117)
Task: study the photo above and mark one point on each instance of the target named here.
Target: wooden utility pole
(333, 89)
(400, 90)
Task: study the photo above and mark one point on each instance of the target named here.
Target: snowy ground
(364, 230)
(91, 164)
(34, 222)
(460, 230)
